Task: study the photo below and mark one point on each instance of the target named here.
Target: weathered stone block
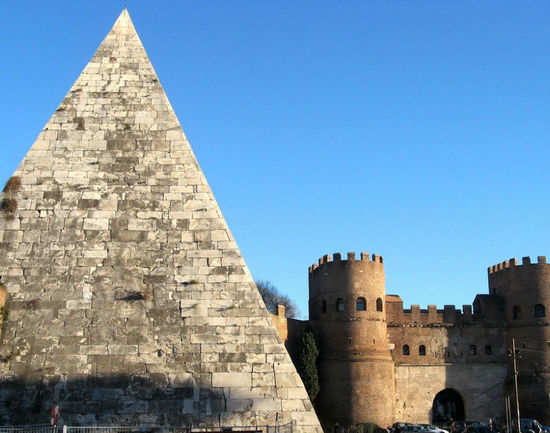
(292, 405)
(267, 404)
(239, 405)
(231, 379)
(96, 223)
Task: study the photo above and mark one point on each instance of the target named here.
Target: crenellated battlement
(337, 258)
(513, 263)
(450, 314)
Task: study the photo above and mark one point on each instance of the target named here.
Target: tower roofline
(513, 263)
(337, 258)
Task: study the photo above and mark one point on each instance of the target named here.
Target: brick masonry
(382, 363)
(128, 298)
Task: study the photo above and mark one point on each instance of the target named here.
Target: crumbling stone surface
(129, 299)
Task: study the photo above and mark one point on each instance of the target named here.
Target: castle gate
(447, 405)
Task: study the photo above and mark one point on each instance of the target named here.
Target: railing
(46, 428)
(33, 428)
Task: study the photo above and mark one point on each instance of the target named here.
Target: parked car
(412, 428)
(477, 427)
(530, 425)
(471, 426)
(416, 428)
(429, 428)
(399, 427)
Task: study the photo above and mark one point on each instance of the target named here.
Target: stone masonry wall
(479, 385)
(128, 298)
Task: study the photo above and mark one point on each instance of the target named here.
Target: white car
(428, 428)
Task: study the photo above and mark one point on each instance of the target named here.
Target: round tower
(347, 309)
(526, 292)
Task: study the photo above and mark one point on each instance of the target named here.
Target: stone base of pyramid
(128, 401)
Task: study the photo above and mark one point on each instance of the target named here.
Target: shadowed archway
(447, 405)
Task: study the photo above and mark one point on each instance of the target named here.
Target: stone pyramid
(128, 298)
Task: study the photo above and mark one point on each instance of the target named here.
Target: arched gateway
(447, 405)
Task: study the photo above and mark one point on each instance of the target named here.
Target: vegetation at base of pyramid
(129, 301)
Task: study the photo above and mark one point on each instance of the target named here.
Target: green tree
(306, 363)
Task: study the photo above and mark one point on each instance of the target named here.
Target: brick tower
(347, 308)
(128, 298)
(526, 291)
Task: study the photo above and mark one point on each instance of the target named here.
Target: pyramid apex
(124, 24)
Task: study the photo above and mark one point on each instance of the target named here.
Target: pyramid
(128, 298)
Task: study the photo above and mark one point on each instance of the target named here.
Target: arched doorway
(447, 406)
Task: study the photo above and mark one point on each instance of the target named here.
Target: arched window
(516, 312)
(361, 304)
(339, 305)
(324, 306)
(488, 349)
(379, 305)
(540, 311)
(406, 349)
(422, 350)
(473, 349)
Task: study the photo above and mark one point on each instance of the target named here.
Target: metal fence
(46, 428)
(33, 428)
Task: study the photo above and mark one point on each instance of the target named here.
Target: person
(452, 425)
(54, 415)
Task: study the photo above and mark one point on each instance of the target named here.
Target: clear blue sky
(417, 130)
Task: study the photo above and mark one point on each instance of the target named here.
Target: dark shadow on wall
(118, 399)
(295, 330)
(335, 407)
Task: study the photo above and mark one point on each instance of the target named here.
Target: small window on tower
(406, 349)
(340, 305)
(422, 350)
(516, 312)
(488, 349)
(324, 306)
(540, 311)
(379, 305)
(361, 304)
